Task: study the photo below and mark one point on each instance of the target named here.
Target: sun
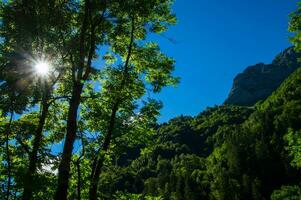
(42, 67)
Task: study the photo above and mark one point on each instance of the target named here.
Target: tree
(109, 22)
(74, 30)
(138, 60)
(25, 30)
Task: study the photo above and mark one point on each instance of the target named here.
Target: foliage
(73, 109)
(225, 152)
(287, 192)
(98, 104)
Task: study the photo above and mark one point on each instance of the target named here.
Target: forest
(57, 89)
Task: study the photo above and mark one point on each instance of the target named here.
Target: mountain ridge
(258, 81)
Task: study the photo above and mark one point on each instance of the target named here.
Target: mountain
(226, 152)
(257, 82)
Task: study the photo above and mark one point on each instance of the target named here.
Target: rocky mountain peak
(258, 81)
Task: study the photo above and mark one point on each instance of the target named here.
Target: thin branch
(70, 56)
(92, 43)
(130, 48)
(8, 153)
(58, 98)
(82, 40)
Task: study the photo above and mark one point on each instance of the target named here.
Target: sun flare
(42, 67)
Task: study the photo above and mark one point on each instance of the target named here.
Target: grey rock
(257, 82)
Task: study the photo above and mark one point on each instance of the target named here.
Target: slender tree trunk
(99, 160)
(64, 168)
(77, 163)
(78, 76)
(9, 165)
(33, 157)
(79, 182)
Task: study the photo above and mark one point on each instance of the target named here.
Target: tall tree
(127, 85)
(112, 22)
(69, 33)
(86, 34)
(25, 31)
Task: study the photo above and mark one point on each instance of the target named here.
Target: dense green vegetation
(226, 152)
(103, 116)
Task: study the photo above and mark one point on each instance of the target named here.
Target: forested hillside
(78, 121)
(226, 152)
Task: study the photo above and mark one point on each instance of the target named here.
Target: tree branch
(92, 43)
(82, 40)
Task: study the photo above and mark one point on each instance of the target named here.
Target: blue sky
(215, 40)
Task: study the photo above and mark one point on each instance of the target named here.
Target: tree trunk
(64, 168)
(8, 156)
(98, 163)
(96, 169)
(33, 157)
(79, 183)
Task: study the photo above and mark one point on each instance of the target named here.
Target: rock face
(257, 82)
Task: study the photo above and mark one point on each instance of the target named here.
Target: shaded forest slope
(226, 152)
